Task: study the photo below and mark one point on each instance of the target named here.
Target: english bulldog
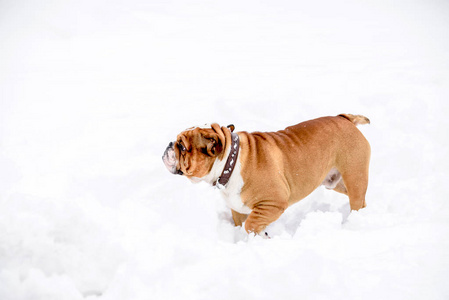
(260, 174)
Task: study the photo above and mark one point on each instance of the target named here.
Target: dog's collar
(222, 181)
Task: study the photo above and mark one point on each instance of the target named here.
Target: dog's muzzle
(169, 159)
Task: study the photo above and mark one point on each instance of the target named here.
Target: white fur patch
(231, 193)
(169, 159)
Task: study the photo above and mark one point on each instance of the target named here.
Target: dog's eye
(181, 147)
(204, 150)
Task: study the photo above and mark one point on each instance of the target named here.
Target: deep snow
(93, 91)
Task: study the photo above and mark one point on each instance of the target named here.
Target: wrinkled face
(195, 150)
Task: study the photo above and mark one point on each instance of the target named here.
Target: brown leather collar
(231, 162)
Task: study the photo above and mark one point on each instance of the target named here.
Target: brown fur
(203, 146)
(280, 168)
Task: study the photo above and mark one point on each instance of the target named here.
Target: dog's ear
(213, 145)
(215, 139)
(220, 135)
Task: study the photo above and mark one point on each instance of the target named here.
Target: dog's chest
(231, 193)
(235, 203)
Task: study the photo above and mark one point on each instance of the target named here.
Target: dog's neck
(231, 162)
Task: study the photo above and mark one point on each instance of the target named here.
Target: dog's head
(196, 149)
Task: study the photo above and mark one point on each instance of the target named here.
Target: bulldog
(260, 174)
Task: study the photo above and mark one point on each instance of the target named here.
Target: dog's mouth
(169, 159)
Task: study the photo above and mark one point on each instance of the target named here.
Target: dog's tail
(356, 119)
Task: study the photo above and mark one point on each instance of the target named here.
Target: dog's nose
(169, 158)
(169, 147)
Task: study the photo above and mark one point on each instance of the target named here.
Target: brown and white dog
(260, 174)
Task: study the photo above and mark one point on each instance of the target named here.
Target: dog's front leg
(238, 218)
(263, 214)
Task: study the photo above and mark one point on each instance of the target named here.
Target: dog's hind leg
(354, 168)
(356, 185)
(355, 180)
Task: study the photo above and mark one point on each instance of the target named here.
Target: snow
(93, 91)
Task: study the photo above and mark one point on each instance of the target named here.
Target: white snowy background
(91, 92)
